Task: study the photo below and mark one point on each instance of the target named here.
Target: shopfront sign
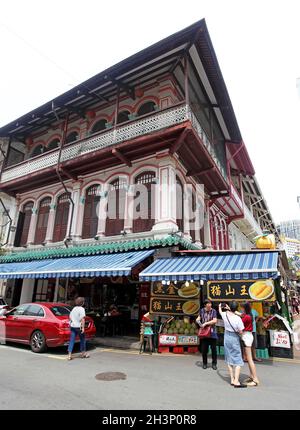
(169, 306)
(187, 340)
(172, 289)
(167, 339)
(177, 339)
(280, 339)
(260, 290)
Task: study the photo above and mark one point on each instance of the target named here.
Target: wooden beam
(68, 174)
(177, 144)
(201, 172)
(121, 157)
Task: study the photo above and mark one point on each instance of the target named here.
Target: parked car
(41, 325)
(3, 306)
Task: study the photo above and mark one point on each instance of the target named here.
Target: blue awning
(256, 265)
(95, 265)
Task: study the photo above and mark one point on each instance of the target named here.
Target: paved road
(49, 381)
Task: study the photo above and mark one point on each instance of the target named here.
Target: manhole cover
(110, 376)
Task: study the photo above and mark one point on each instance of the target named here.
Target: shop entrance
(115, 303)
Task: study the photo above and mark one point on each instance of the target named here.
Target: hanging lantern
(29, 141)
(139, 92)
(265, 241)
(90, 114)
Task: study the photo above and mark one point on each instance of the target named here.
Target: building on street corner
(140, 161)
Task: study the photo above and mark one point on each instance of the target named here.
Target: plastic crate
(262, 353)
(178, 350)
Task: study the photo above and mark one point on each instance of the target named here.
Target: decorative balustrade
(138, 127)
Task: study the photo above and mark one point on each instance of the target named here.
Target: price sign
(280, 339)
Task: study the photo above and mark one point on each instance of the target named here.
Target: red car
(40, 325)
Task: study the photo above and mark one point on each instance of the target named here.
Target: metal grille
(63, 198)
(146, 178)
(45, 202)
(28, 206)
(94, 190)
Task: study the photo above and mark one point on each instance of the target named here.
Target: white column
(129, 206)
(12, 235)
(76, 227)
(32, 227)
(165, 197)
(207, 237)
(50, 225)
(27, 291)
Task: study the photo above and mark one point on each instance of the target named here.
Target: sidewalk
(119, 342)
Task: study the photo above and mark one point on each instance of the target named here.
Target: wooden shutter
(61, 218)
(90, 216)
(26, 223)
(19, 229)
(42, 221)
(145, 222)
(116, 198)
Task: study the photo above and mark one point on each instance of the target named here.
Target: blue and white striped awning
(256, 265)
(95, 265)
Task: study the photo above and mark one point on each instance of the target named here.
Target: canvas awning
(119, 264)
(256, 265)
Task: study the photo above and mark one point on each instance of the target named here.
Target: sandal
(252, 384)
(240, 386)
(85, 355)
(248, 380)
(70, 358)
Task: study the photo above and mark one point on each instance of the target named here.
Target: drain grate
(110, 376)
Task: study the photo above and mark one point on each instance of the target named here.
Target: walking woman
(233, 355)
(77, 320)
(247, 338)
(208, 318)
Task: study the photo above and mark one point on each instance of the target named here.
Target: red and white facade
(163, 119)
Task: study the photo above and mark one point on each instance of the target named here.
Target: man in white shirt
(77, 321)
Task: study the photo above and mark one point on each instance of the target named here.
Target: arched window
(42, 221)
(147, 107)
(61, 218)
(144, 216)
(123, 116)
(53, 144)
(38, 150)
(23, 225)
(115, 207)
(90, 216)
(72, 137)
(99, 126)
(179, 204)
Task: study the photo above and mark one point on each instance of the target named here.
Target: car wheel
(38, 342)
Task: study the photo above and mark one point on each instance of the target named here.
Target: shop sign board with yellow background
(250, 290)
(182, 298)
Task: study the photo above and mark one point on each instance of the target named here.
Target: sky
(49, 47)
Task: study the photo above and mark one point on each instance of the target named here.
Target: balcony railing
(135, 128)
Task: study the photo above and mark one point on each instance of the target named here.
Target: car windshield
(60, 311)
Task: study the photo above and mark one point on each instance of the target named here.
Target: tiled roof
(103, 248)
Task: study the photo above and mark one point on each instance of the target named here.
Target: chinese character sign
(241, 290)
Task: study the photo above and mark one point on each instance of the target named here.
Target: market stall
(177, 304)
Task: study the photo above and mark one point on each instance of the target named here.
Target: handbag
(204, 332)
(240, 335)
